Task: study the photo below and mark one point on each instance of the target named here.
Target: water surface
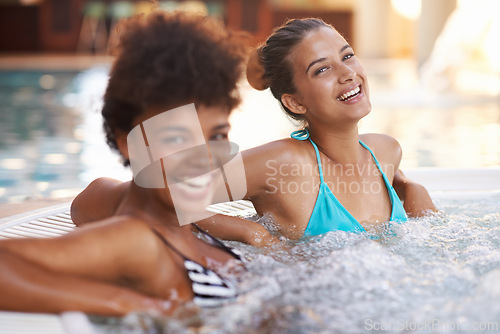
(437, 274)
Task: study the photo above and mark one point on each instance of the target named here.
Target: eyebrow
(347, 46)
(221, 126)
(172, 128)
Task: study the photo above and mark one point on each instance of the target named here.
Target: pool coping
(456, 181)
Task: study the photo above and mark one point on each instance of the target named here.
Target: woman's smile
(190, 187)
(350, 94)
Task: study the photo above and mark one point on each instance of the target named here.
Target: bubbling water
(436, 274)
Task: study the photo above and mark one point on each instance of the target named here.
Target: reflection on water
(49, 122)
(38, 150)
(51, 142)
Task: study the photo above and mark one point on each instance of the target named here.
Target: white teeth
(198, 182)
(347, 95)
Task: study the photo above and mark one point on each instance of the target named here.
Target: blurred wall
(374, 27)
(382, 32)
(431, 23)
(260, 17)
(18, 27)
(43, 25)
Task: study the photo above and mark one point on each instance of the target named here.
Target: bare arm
(79, 271)
(416, 199)
(260, 163)
(238, 229)
(30, 288)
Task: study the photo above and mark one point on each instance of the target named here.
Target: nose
(194, 161)
(346, 73)
(199, 159)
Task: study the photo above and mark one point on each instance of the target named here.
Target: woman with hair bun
(326, 177)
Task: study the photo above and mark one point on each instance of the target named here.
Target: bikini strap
(304, 135)
(218, 243)
(169, 245)
(376, 162)
(300, 134)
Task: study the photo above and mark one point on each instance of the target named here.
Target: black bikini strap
(169, 244)
(219, 243)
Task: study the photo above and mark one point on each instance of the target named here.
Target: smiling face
(168, 150)
(191, 172)
(331, 83)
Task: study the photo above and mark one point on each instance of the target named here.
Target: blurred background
(433, 68)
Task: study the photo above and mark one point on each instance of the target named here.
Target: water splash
(437, 274)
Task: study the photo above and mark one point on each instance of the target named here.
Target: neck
(339, 145)
(147, 205)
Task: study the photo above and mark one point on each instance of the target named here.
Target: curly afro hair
(165, 60)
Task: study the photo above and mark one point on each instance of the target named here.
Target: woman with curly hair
(171, 90)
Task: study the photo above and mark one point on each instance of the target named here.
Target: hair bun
(255, 70)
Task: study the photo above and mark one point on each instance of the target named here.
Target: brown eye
(173, 140)
(219, 136)
(320, 70)
(347, 56)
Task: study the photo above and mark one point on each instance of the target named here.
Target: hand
(238, 229)
(260, 237)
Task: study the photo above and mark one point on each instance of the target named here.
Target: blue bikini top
(329, 214)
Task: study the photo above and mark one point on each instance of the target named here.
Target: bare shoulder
(262, 161)
(379, 140)
(386, 148)
(104, 186)
(99, 200)
(284, 150)
(266, 159)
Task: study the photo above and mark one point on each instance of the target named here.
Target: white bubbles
(438, 275)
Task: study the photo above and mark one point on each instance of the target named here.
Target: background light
(408, 8)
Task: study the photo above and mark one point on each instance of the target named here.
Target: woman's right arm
(27, 287)
(98, 201)
(78, 271)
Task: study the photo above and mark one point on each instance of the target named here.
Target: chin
(188, 215)
(361, 112)
(190, 208)
(191, 203)
(368, 109)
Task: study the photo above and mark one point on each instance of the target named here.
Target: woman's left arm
(416, 199)
(238, 229)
